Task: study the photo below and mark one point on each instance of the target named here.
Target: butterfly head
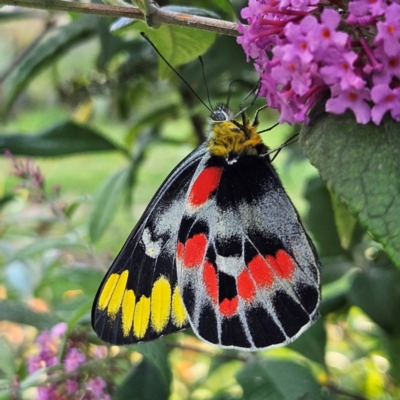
(221, 113)
(229, 138)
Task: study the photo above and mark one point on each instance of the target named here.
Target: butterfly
(220, 248)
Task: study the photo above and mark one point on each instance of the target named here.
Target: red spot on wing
(260, 271)
(228, 307)
(210, 281)
(272, 263)
(245, 286)
(204, 185)
(180, 248)
(195, 249)
(285, 263)
(282, 264)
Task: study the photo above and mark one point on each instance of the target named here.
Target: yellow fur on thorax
(228, 138)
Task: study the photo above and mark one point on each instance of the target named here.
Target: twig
(343, 392)
(158, 15)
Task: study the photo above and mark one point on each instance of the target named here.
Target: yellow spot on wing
(160, 304)
(141, 317)
(179, 316)
(117, 294)
(107, 291)
(128, 309)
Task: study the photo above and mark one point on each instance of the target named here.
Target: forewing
(139, 299)
(249, 274)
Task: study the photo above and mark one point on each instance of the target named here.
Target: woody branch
(158, 15)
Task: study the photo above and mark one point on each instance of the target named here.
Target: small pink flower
(385, 99)
(325, 35)
(365, 10)
(342, 72)
(59, 330)
(34, 363)
(49, 342)
(354, 100)
(299, 43)
(389, 67)
(47, 393)
(389, 30)
(73, 359)
(72, 386)
(96, 386)
(99, 352)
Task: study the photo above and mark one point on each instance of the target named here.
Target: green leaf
(220, 71)
(152, 116)
(86, 279)
(122, 23)
(392, 348)
(156, 353)
(9, 16)
(61, 139)
(376, 291)
(312, 342)
(177, 44)
(106, 203)
(224, 396)
(226, 6)
(143, 383)
(42, 245)
(201, 12)
(275, 379)
(110, 44)
(345, 222)
(79, 312)
(7, 198)
(334, 295)
(7, 366)
(320, 209)
(46, 53)
(21, 314)
(360, 164)
(221, 376)
(71, 207)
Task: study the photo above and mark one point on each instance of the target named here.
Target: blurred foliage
(106, 121)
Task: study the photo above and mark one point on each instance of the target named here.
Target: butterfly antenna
(291, 140)
(176, 72)
(205, 81)
(255, 90)
(271, 127)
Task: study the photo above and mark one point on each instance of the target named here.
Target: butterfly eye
(219, 116)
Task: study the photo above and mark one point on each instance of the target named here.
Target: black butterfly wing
(248, 273)
(139, 298)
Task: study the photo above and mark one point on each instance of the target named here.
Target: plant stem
(158, 16)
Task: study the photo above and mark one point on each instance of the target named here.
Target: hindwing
(139, 298)
(248, 272)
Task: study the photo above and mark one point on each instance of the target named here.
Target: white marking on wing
(230, 265)
(152, 248)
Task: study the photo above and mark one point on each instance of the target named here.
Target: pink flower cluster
(76, 385)
(303, 49)
(26, 170)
